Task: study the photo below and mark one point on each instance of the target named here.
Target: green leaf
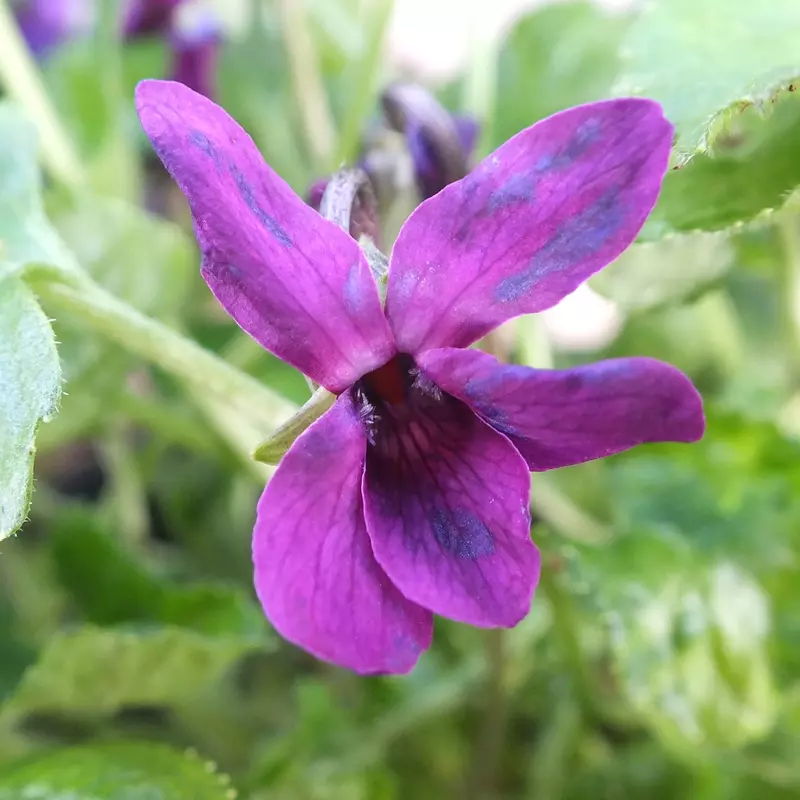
(688, 641)
(553, 58)
(26, 237)
(654, 274)
(30, 385)
(148, 262)
(115, 771)
(93, 671)
(750, 170)
(705, 60)
(140, 258)
(111, 587)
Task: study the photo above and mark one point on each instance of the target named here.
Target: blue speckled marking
(248, 195)
(516, 189)
(485, 383)
(462, 534)
(583, 138)
(199, 140)
(353, 288)
(577, 239)
(470, 208)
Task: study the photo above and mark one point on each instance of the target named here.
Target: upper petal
(314, 570)
(528, 225)
(446, 504)
(561, 417)
(291, 279)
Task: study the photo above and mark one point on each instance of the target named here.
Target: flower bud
(45, 24)
(146, 17)
(347, 198)
(440, 144)
(195, 40)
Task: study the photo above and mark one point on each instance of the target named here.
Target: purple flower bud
(351, 201)
(143, 17)
(440, 143)
(45, 24)
(195, 47)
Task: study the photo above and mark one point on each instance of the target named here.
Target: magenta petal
(528, 225)
(314, 570)
(561, 417)
(446, 504)
(294, 281)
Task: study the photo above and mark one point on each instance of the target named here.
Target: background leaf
(26, 237)
(121, 771)
(650, 275)
(95, 671)
(751, 169)
(30, 385)
(731, 56)
(555, 57)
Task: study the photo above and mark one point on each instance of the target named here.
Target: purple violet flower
(45, 24)
(409, 497)
(146, 17)
(194, 39)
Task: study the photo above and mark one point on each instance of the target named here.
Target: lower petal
(446, 504)
(557, 418)
(315, 573)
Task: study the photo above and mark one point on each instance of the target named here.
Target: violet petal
(528, 225)
(468, 129)
(561, 417)
(314, 570)
(446, 504)
(294, 281)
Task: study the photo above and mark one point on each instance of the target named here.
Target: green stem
(491, 736)
(565, 628)
(555, 750)
(562, 515)
(149, 339)
(789, 276)
(309, 90)
(170, 422)
(22, 80)
(275, 447)
(128, 494)
(364, 74)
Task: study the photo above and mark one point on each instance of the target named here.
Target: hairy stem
(95, 308)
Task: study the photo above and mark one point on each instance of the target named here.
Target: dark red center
(389, 381)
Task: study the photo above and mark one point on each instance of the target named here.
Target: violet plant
(193, 39)
(409, 497)
(385, 367)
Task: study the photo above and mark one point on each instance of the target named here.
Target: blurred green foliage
(660, 660)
